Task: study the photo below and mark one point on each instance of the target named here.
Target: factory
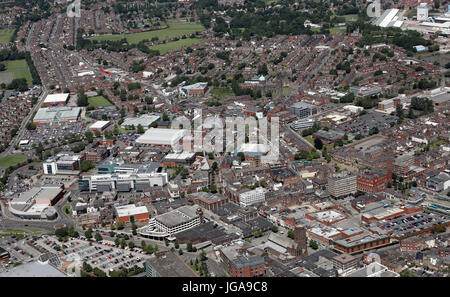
(144, 120)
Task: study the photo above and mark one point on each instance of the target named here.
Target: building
(422, 12)
(302, 124)
(37, 203)
(63, 163)
(4, 255)
(99, 126)
(303, 110)
(207, 200)
(364, 91)
(342, 184)
(252, 197)
(178, 220)
(440, 182)
(167, 264)
(144, 120)
(345, 263)
(56, 99)
(375, 269)
(129, 214)
(56, 114)
(253, 149)
(161, 137)
(199, 88)
(373, 181)
(122, 182)
(242, 263)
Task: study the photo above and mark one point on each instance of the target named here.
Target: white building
(255, 196)
(156, 136)
(175, 221)
(422, 12)
(122, 182)
(62, 163)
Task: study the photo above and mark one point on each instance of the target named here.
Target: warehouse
(129, 214)
(99, 125)
(154, 136)
(122, 182)
(56, 114)
(144, 120)
(56, 99)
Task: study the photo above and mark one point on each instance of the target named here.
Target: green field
(222, 93)
(347, 16)
(12, 160)
(98, 101)
(175, 29)
(5, 35)
(166, 47)
(19, 69)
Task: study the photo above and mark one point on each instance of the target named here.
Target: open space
(98, 101)
(12, 160)
(175, 29)
(16, 69)
(166, 47)
(222, 93)
(5, 35)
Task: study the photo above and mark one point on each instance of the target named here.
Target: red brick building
(373, 181)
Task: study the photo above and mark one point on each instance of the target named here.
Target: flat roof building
(56, 114)
(55, 99)
(144, 120)
(167, 264)
(166, 137)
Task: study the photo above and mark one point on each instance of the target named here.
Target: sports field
(18, 69)
(166, 47)
(5, 35)
(12, 160)
(175, 29)
(98, 101)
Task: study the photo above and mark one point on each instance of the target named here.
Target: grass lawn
(16, 232)
(222, 93)
(337, 31)
(175, 29)
(166, 47)
(5, 35)
(98, 101)
(35, 230)
(309, 139)
(66, 210)
(347, 16)
(12, 160)
(19, 69)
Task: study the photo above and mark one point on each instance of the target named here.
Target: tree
(131, 244)
(313, 244)
(318, 144)
(189, 247)
(98, 237)
(203, 256)
(88, 233)
(274, 228)
(140, 129)
(86, 165)
(291, 234)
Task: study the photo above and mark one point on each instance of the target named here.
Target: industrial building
(37, 203)
(162, 137)
(389, 18)
(56, 99)
(57, 114)
(99, 126)
(144, 120)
